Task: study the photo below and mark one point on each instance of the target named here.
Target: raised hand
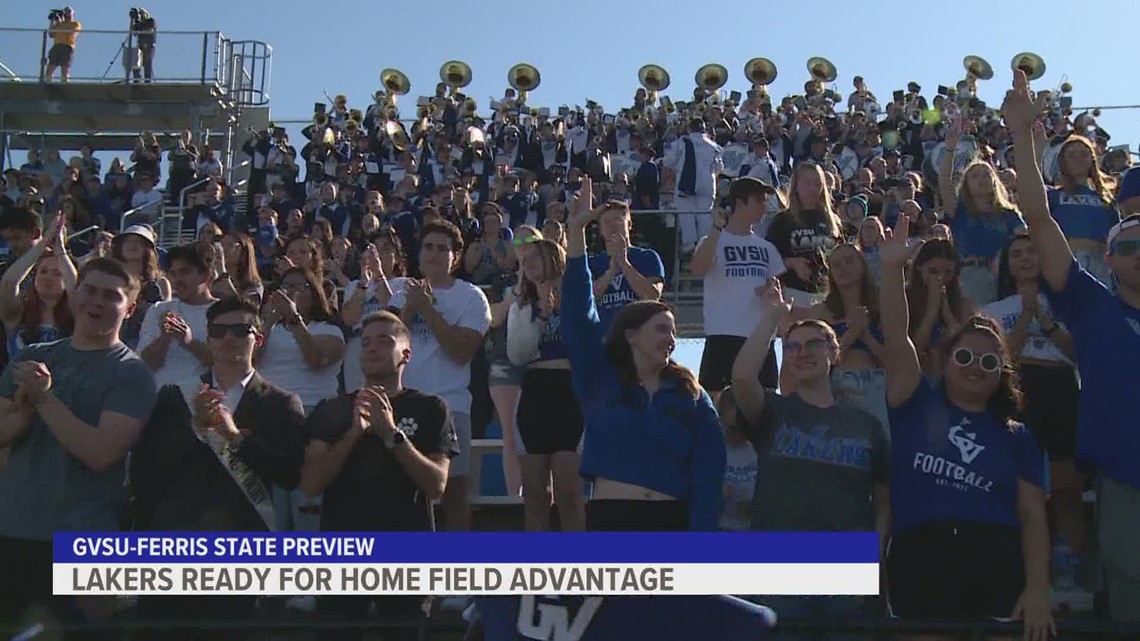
(953, 135)
(583, 212)
(1019, 109)
(896, 249)
(772, 296)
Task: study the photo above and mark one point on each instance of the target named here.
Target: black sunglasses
(237, 330)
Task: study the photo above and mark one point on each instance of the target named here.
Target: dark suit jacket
(177, 481)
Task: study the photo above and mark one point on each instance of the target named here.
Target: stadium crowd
(954, 289)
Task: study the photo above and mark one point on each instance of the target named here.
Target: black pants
(26, 581)
(390, 609)
(187, 609)
(617, 515)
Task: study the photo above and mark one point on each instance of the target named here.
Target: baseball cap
(143, 231)
(1121, 227)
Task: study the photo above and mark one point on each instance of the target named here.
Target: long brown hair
(150, 268)
(319, 310)
(553, 266)
(620, 354)
(1100, 182)
(916, 292)
(34, 308)
(1006, 403)
(825, 204)
(868, 292)
(246, 278)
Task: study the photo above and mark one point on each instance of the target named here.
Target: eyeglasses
(813, 346)
(1125, 248)
(237, 330)
(989, 362)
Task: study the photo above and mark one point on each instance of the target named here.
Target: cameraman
(64, 30)
(145, 31)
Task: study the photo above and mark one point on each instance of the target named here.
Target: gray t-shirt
(817, 466)
(45, 489)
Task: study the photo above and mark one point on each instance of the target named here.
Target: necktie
(688, 184)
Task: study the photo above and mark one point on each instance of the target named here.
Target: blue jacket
(670, 442)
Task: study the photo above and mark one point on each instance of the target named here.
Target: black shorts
(955, 570)
(617, 515)
(549, 418)
(60, 55)
(26, 579)
(1051, 398)
(717, 359)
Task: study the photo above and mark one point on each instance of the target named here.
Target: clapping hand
(33, 380)
(177, 328)
(284, 308)
(418, 295)
(211, 414)
(375, 410)
(617, 246)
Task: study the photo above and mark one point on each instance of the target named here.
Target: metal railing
(240, 68)
(186, 57)
(140, 209)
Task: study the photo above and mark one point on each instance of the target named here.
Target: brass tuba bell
(455, 74)
(977, 67)
(321, 119)
(351, 126)
(822, 69)
(524, 78)
(395, 82)
(761, 71)
(397, 135)
(1032, 64)
(654, 78)
(711, 77)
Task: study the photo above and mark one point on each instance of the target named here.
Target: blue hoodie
(670, 442)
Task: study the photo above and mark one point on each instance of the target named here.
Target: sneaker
(1068, 595)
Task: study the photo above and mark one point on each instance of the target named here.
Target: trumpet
(321, 119)
(524, 78)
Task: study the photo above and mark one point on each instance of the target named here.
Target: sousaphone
(524, 78)
(1032, 64)
(395, 83)
(711, 77)
(822, 69)
(455, 74)
(655, 79)
(760, 71)
(397, 135)
(977, 68)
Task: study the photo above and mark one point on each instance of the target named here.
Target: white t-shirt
(144, 198)
(180, 365)
(283, 364)
(430, 369)
(1037, 346)
(353, 377)
(742, 264)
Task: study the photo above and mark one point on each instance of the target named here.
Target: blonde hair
(825, 203)
(1000, 201)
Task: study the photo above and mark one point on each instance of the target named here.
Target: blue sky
(592, 49)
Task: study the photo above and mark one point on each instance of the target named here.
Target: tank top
(742, 263)
(550, 345)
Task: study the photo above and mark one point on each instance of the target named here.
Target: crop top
(841, 328)
(669, 442)
(1082, 214)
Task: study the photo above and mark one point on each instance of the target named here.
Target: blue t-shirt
(948, 464)
(1106, 335)
(550, 345)
(623, 618)
(618, 293)
(1082, 214)
(983, 235)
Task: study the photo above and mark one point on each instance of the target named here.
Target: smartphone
(943, 90)
(734, 97)
(564, 111)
